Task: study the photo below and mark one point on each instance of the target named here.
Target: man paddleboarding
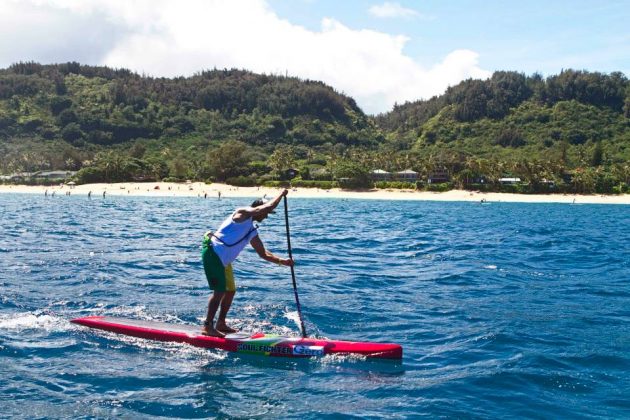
(221, 248)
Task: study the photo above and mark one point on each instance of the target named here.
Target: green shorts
(220, 279)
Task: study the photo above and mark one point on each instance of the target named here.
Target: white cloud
(47, 33)
(168, 38)
(392, 10)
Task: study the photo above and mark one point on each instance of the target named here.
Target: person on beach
(222, 247)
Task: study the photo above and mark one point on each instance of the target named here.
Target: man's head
(257, 203)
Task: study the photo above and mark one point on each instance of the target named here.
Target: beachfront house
(18, 176)
(380, 175)
(54, 175)
(407, 175)
(438, 176)
(509, 181)
(41, 175)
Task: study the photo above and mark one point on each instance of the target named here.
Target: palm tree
(117, 167)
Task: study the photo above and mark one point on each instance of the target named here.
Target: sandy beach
(214, 190)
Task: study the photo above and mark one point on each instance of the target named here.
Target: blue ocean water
(503, 309)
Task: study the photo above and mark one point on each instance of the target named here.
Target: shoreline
(214, 190)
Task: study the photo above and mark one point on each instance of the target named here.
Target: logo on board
(264, 348)
(308, 350)
(298, 350)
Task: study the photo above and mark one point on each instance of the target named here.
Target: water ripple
(508, 310)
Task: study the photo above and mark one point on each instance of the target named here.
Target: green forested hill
(572, 128)
(70, 116)
(514, 116)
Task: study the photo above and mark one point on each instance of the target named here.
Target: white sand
(211, 191)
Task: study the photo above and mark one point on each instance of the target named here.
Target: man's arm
(257, 244)
(247, 212)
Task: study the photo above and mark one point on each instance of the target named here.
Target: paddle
(297, 299)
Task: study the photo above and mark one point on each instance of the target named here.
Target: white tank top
(231, 237)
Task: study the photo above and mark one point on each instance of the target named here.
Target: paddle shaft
(297, 299)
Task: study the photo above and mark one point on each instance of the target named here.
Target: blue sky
(528, 36)
(378, 52)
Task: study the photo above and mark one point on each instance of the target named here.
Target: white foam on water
(172, 318)
(20, 267)
(133, 312)
(295, 317)
(490, 267)
(180, 351)
(139, 311)
(34, 321)
(313, 331)
(333, 359)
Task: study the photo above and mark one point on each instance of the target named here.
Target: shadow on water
(240, 386)
(348, 364)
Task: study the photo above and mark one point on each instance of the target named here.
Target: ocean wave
(34, 321)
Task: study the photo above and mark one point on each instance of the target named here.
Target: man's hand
(284, 193)
(288, 262)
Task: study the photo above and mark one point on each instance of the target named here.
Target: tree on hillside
(591, 88)
(508, 89)
(470, 99)
(116, 167)
(156, 168)
(510, 137)
(351, 174)
(598, 154)
(281, 160)
(229, 160)
(179, 168)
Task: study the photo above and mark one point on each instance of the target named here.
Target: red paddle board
(259, 343)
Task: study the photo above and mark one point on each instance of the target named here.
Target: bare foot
(225, 329)
(211, 332)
